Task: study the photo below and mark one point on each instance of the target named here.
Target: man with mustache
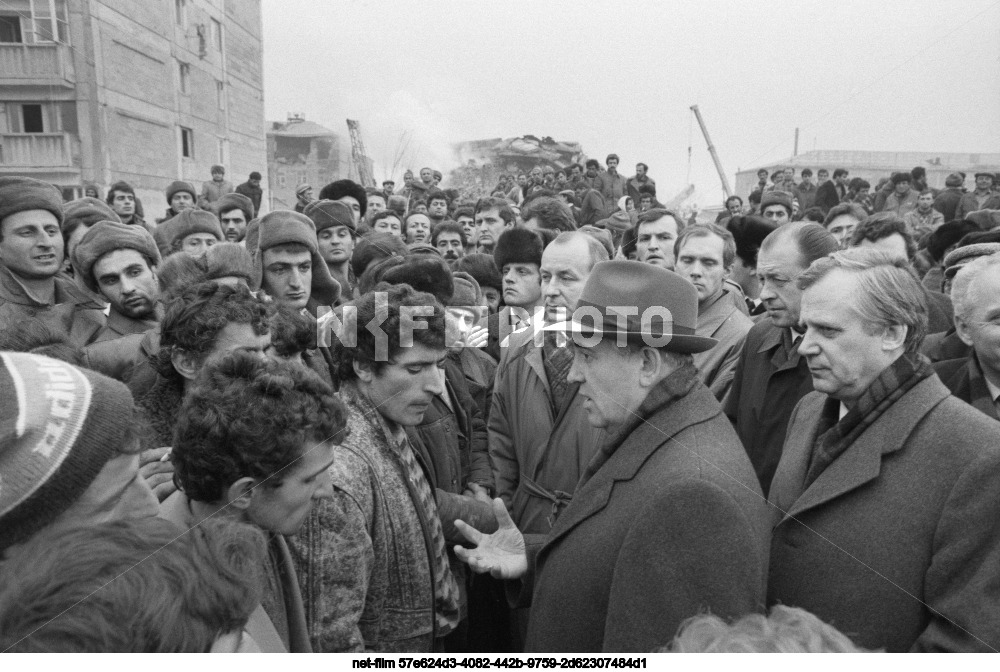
(235, 212)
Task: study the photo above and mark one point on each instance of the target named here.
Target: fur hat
(230, 260)
(191, 221)
(954, 180)
(899, 178)
(87, 212)
(984, 219)
(108, 236)
(327, 213)
(518, 246)
(424, 248)
(340, 188)
(467, 291)
(286, 226)
(231, 202)
(749, 231)
(18, 194)
(482, 268)
(178, 186)
(425, 274)
(397, 203)
(59, 426)
(776, 198)
(373, 247)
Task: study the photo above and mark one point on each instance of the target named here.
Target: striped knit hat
(59, 425)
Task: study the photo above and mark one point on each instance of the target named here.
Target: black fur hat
(482, 267)
(337, 190)
(424, 273)
(518, 246)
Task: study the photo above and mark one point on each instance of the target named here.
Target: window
(180, 12)
(187, 143)
(185, 73)
(10, 29)
(49, 21)
(217, 35)
(220, 92)
(32, 118)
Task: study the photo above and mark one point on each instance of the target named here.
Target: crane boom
(359, 155)
(711, 150)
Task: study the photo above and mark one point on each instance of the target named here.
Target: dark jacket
(770, 379)
(964, 378)
(118, 325)
(253, 193)
(897, 542)
(940, 312)
(72, 312)
(827, 196)
(947, 202)
(671, 525)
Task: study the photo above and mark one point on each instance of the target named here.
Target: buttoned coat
(897, 542)
(671, 525)
(964, 378)
(770, 379)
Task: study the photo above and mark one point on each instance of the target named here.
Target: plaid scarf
(557, 362)
(671, 388)
(890, 386)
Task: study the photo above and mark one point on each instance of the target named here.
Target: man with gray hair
(885, 496)
(976, 293)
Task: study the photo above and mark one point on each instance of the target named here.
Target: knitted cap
(518, 246)
(482, 268)
(776, 198)
(59, 425)
(467, 291)
(287, 226)
(373, 247)
(230, 260)
(231, 202)
(327, 213)
(180, 185)
(104, 237)
(191, 221)
(18, 194)
(959, 257)
(87, 212)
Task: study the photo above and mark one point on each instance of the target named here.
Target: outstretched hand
(501, 554)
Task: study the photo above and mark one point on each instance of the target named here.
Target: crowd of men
(559, 418)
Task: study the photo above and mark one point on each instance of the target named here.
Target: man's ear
(184, 363)
(894, 337)
(363, 371)
(239, 493)
(651, 367)
(962, 329)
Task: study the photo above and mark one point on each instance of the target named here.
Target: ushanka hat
(105, 237)
(776, 198)
(193, 221)
(18, 194)
(518, 246)
(234, 201)
(423, 273)
(87, 212)
(59, 426)
(178, 186)
(326, 214)
(230, 260)
(482, 268)
(281, 227)
(638, 303)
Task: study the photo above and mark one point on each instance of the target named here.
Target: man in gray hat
(668, 519)
(983, 198)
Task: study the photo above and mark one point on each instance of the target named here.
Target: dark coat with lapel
(964, 378)
(897, 542)
(671, 525)
(770, 379)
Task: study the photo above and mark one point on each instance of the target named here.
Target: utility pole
(795, 152)
(711, 150)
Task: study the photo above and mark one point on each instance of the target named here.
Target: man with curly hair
(254, 442)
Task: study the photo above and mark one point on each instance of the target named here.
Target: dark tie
(557, 362)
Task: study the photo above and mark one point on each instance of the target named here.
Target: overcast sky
(620, 77)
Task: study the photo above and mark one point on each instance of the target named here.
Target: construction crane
(711, 150)
(359, 155)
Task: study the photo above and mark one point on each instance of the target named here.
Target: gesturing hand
(501, 554)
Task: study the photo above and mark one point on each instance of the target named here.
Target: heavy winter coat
(725, 322)
(72, 312)
(671, 525)
(897, 542)
(538, 456)
(964, 379)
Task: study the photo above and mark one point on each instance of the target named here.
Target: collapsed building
(481, 162)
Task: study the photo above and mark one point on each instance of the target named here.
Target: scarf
(890, 386)
(676, 385)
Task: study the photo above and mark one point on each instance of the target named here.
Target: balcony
(35, 150)
(36, 64)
